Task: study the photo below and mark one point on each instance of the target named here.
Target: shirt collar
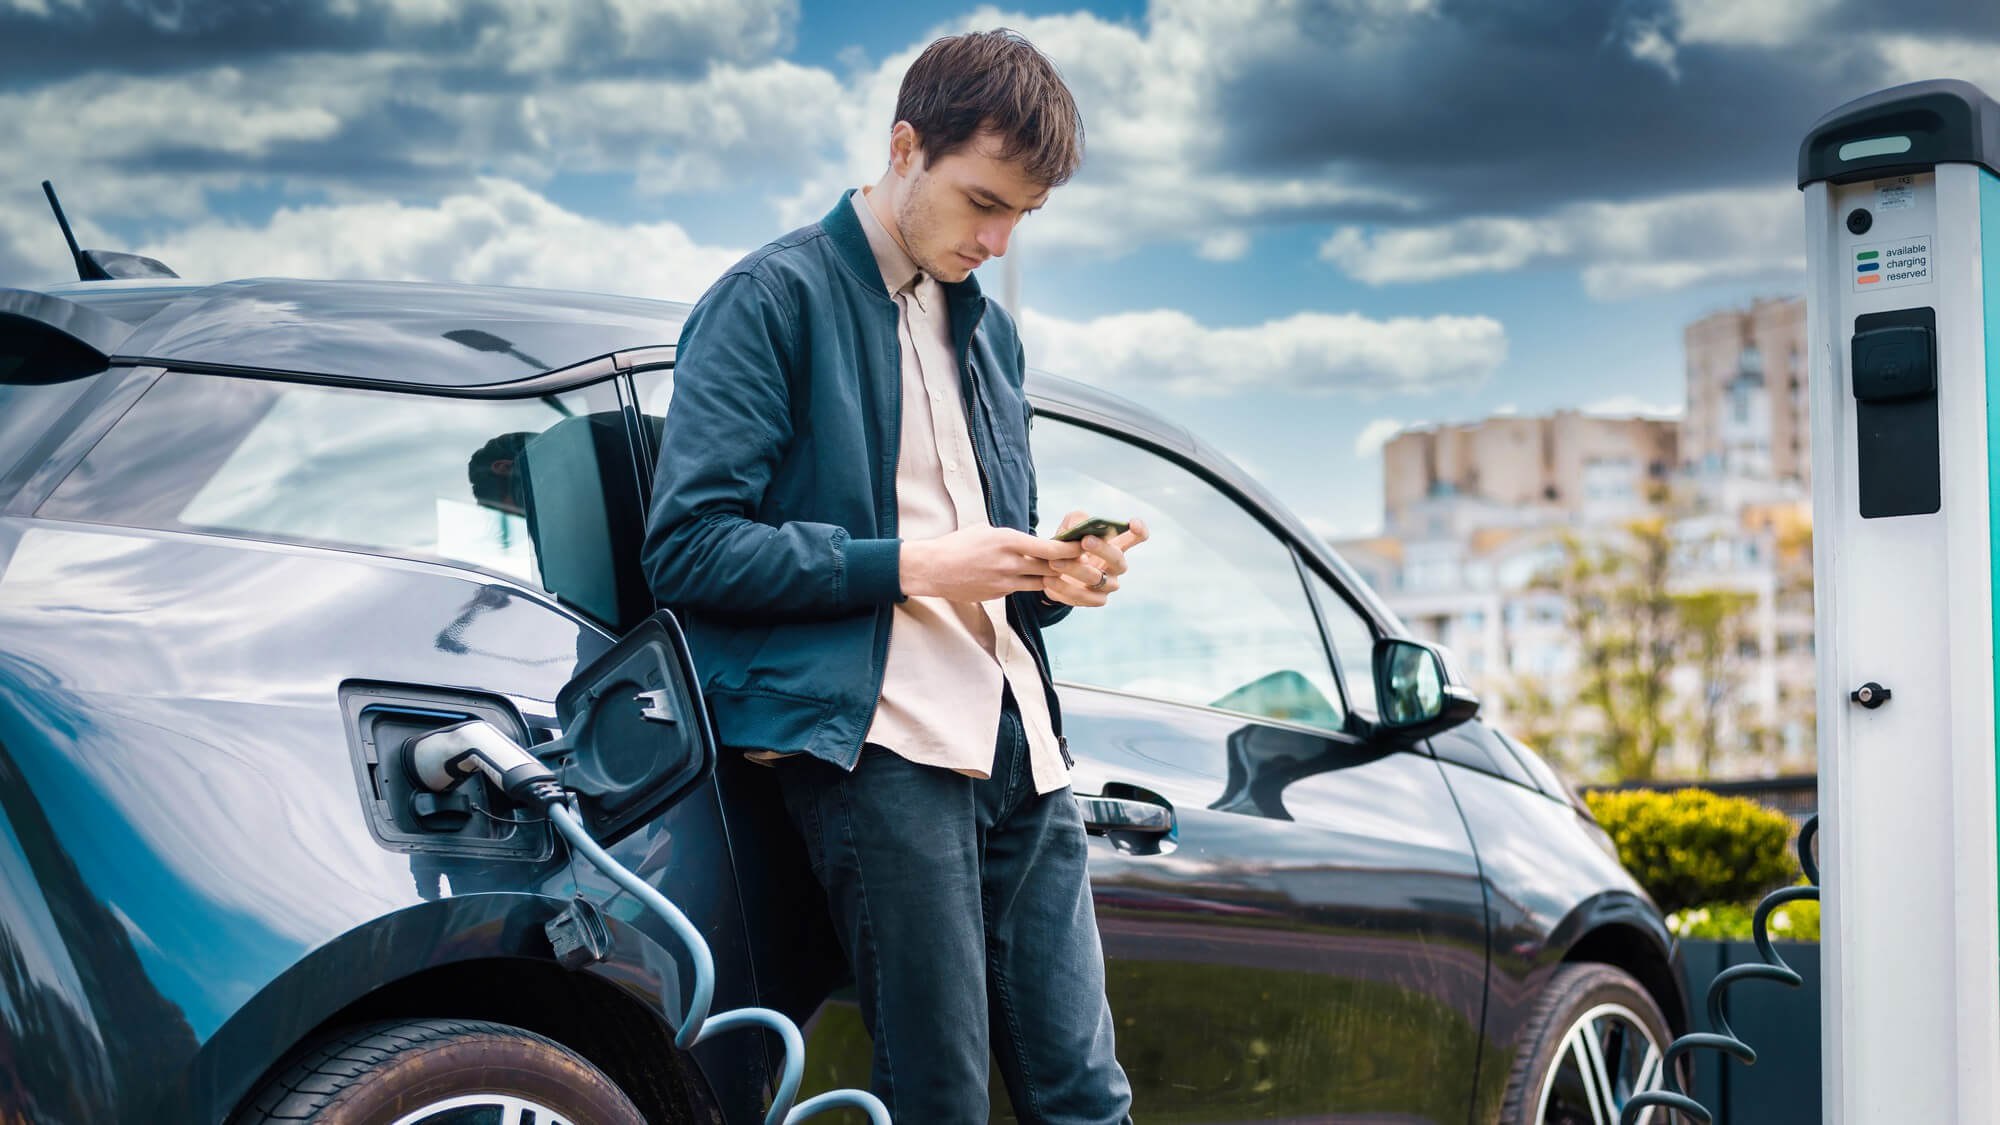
(898, 271)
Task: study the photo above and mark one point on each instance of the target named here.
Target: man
(843, 515)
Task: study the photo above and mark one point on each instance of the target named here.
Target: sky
(1299, 226)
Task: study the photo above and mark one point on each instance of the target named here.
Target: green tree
(1623, 618)
(1535, 717)
(1633, 627)
(1714, 626)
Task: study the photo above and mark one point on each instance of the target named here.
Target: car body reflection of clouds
(191, 653)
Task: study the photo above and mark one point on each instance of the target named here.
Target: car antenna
(102, 265)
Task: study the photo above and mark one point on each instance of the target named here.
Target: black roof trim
(549, 382)
(1945, 120)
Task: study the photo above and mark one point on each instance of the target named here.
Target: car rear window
(28, 411)
(539, 489)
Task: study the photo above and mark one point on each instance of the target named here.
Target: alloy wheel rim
(1607, 1055)
(484, 1109)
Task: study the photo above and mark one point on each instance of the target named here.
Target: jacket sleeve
(1046, 612)
(727, 428)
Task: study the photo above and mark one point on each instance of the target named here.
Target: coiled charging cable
(1772, 967)
(443, 758)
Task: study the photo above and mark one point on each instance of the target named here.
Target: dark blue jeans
(964, 907)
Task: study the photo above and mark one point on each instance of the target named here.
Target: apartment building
(1474, 512)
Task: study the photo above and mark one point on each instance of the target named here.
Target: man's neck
(877, 198)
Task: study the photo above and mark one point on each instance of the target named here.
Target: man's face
(953, 214)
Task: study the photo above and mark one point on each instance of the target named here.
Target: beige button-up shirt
(947, 660)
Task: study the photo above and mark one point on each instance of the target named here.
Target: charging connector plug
(440, 759)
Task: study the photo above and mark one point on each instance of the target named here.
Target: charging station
(1903, 308)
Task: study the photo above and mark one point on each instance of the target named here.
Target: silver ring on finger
(1103, 576)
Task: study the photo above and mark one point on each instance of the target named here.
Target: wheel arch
(1626, 941)
(479, 956)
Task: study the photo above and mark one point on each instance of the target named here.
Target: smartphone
(1094, 525)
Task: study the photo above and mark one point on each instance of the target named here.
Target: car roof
(394, 333)
(441, 335)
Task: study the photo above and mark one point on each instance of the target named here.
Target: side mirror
(1414, 692)
(635, 730)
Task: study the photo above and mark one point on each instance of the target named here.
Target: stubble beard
(914, 220)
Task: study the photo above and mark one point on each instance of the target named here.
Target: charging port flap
(638, 734)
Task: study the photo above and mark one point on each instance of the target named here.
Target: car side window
(655, 388)
(1353, 644)
(1212, 612)
(544, 489)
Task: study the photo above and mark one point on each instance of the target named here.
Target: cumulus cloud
(58, 37)
(1767, 23)
(1155, 169)
(1307, 353)
(1376, 434)
(1623, 249)
(1223, 246)
(1912, 58)
(500, 233)
(1478, 134)
(1632, 406)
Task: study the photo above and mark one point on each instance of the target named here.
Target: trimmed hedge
(1692, 848)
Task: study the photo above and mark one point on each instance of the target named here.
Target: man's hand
(1091, 577)
(976, 564)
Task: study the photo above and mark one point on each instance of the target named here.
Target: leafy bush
(1730, 921)
(1693, 848)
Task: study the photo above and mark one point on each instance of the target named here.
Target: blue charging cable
(442, 758)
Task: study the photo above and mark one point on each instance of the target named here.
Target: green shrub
(1730, 921)
(1691, 847)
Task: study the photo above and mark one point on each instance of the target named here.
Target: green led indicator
(1865, 255)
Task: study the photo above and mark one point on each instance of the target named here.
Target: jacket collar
(843, 229)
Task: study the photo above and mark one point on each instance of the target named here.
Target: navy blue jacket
(772, 532)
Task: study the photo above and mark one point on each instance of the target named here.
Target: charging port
(473, 818)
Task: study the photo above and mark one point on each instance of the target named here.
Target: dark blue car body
(196, 875)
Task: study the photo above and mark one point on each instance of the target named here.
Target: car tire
(447, 1071)
(1553, 1082)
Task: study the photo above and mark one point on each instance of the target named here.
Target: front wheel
(438, 1072)
(1596, 1038)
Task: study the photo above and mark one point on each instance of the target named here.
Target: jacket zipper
(971, 396)
(885, 514)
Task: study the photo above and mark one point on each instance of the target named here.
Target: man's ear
(906, 154)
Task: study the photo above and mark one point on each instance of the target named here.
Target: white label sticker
(1883, 265)
(1895, 195)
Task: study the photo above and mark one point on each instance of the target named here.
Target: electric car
(256, 537)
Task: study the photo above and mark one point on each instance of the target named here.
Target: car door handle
(1124, 814)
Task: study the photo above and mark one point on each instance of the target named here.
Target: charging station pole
(1903, 327)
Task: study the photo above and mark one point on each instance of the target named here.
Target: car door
(1306, 939)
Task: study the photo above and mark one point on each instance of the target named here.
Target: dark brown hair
(993, 80)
